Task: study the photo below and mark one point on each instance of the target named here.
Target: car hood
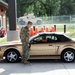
(10, 43)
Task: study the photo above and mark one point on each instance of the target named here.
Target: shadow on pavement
(39, 61)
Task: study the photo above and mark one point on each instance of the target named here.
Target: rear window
(64, 38)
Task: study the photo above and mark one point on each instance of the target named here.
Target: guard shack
(3, 8)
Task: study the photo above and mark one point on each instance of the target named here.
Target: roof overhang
(3, 4)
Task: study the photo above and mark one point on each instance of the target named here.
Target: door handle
(50, 45)
(57, 46)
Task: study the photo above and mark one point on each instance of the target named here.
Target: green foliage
(45, 7)
(67, 7)
(3, 40)
(39, 7)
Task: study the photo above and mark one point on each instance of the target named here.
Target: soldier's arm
(21, 34)
(26, 36)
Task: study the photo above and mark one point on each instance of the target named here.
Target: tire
(39, 22)
(12, 56)
(68, 55)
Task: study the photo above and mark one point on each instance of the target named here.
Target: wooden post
(12, 34)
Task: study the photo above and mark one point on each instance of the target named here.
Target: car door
(40, 47)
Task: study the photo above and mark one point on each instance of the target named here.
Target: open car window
(36, 40)
(39, 39)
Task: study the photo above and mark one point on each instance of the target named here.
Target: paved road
(38, 67)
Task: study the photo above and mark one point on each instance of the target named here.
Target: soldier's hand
(29, 45)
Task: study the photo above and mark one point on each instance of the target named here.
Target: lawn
(3, 40)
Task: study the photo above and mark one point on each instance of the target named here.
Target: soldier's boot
(26, 62)
(22, 61)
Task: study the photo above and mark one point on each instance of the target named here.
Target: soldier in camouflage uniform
(24, 35)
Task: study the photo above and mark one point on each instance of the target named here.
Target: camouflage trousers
(26, 52)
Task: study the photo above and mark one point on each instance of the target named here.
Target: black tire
(39, 22)
(68, 55)
(12, 56)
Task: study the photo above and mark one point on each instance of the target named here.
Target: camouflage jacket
(24, 35)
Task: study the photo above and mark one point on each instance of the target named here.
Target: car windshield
(33, 37)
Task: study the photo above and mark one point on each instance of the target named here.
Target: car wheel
(12, 56)
(38, 22)
(68, 55)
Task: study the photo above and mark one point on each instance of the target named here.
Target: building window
(1, 10)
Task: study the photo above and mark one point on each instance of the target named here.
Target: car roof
(57, 33)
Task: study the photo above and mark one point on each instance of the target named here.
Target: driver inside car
(44, 39)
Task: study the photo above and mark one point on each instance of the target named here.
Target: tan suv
(44, 45)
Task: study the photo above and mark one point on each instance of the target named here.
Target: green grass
(3, 40)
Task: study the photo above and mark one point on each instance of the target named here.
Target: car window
(45, 39)
(39, 39)
(52, 38)
(64, 38)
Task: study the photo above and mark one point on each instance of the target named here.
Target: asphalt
(37, 67)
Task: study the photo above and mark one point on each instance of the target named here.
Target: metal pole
(55, 27)
(64, 28)
(12, 34)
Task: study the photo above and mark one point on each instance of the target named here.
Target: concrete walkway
(38, 68)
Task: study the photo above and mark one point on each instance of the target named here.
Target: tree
(45, 7)
(67, 7)
(51, 7)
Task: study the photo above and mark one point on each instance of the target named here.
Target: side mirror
(33, 42)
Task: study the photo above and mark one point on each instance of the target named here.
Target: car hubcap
(69, 56)
(12, 56)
